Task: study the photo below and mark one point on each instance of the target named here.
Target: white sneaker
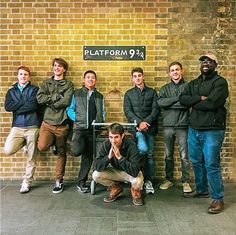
(24, 187)
(148, 187)
(166, 184)
(186, 188)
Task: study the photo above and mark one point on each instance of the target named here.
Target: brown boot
(216, 207)
(137, 196)
(115, 191)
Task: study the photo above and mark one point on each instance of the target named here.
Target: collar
(22, 88)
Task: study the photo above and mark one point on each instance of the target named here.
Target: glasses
(207, 62)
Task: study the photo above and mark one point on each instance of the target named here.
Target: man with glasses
(207, 96)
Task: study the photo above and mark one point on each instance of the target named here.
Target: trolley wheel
(92, 187)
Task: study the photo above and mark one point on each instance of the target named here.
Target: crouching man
(118, 160)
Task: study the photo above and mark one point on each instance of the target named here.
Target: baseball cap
(209, 56)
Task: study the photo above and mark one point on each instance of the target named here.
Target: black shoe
(82, 187)
(58, 188)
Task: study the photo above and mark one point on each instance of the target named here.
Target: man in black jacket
(140, 105)
(21, 101)
(175, 126)
(207, 95)
(118, 160)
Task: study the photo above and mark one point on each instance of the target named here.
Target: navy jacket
(23, 105)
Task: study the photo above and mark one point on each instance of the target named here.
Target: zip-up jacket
(130, 162)
(24, 106)
(141, 106)
(56, 97)
(206, 114)
(78, 110)
(174, 114)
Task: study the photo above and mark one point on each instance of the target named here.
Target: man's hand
(143, 126)
(111, 154)
(203, 97)
(116, 152)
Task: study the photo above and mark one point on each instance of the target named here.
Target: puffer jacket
(209, 114)
(174, 114)
(23, 105)
(56, 97)
(142, 106)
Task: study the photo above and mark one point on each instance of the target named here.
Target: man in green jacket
(55, 94)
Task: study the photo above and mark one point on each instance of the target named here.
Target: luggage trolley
(100, 134)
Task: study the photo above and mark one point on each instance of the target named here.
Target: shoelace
(58, 184)
(148, 185)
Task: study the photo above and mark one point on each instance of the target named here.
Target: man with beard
(207, 96)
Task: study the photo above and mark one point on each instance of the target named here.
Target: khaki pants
(18, 138)
(108, 176)
(55, 135)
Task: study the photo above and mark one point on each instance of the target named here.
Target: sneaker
(186, 188)
(114, 191)
(137, 196)
(82, 188)
(25, 188)
(54, 149)
(25, 149)
(58, 188)
(148, 187)
(166, 184)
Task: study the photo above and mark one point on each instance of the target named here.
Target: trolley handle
(109, 123)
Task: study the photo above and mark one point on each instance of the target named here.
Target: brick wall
(34, 32)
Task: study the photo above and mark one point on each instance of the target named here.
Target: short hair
(24, 68)
(175, 63)
(137, 69)
(61, 62)
(116, 128)
(90, 71)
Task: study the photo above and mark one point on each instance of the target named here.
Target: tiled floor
(167, 212)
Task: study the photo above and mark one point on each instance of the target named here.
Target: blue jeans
(181, 134)
(145, 143)
(204, 152)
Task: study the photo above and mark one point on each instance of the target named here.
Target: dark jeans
(82, 144)
(170, 134)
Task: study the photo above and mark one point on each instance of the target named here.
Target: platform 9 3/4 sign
(114, 52)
